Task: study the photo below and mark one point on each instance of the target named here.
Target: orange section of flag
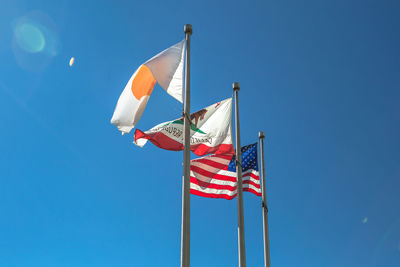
(143, 82)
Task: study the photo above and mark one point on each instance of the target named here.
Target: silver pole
(267, 260)
(242, 250)
(185, 231)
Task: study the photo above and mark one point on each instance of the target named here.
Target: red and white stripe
(209, 177)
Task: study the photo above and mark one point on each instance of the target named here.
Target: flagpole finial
(188, 28)
(236, 86)
(261, 135)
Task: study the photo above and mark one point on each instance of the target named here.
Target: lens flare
(365, 220)
(35, 41)
(29, 38)
(71, 61)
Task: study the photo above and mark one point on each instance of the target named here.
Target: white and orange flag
(166, 68)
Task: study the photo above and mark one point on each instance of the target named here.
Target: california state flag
(211, 131)
(166, 68)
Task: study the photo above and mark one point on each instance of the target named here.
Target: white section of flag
(211, 131)
(166, 68)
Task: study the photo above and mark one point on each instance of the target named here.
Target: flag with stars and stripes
(214, 176)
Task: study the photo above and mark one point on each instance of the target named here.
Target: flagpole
(185, 230)
(267, 260)
(242, 250)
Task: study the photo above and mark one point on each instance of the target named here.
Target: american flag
(214, 176)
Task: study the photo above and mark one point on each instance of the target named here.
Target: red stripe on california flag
(159, 139)
(162, 141)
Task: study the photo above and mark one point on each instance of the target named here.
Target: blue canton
(249, 159)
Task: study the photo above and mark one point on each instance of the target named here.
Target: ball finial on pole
(188, 28)
(236, 86)
(261, 135)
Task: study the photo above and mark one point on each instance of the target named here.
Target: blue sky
(320, 78)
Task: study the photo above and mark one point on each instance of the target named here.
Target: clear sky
(320, 78)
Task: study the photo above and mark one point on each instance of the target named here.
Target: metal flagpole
(267, 260)
(185, 231)
(242, 251)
